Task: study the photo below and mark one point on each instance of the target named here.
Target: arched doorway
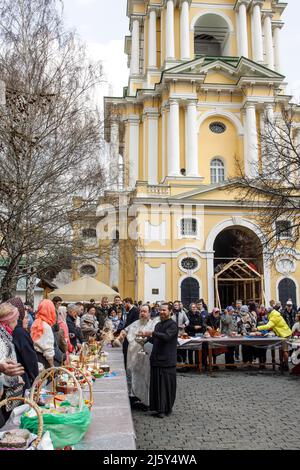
(211, 36)
(233, 243)
(287, 290)
(190, 291)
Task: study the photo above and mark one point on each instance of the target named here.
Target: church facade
(204, 75)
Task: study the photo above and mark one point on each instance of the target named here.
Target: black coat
(195, 320)
(75, 332)
(101, 315)
(290, 317)
(26, 354)
(132, 316)
(164, 340)
(213, 322)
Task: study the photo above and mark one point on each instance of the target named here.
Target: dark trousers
(261, 353)
(181, 356)
(205, 355)
(125, 349)
(194, 354)
(247, 352)
(229, 355)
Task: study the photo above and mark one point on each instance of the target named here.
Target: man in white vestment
(138, 364)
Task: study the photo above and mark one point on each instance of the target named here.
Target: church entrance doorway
(190, 291)
(230, 245)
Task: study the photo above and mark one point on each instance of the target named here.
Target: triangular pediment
(211, 192)
(233, 68)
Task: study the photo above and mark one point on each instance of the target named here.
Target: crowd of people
(148, 334)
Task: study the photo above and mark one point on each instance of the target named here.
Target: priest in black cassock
(163, 361)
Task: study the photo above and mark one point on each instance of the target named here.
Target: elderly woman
(12, 386)
(23, 343)
(42, 334)
(62, 323)
(89, 324)
(75, 333)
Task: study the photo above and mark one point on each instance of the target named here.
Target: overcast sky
(103, 25)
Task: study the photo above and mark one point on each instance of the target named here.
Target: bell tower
(165, 33)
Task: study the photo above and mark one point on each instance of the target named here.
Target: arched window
(211, 36)
(217, 171)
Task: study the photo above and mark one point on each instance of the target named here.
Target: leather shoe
(160, 415)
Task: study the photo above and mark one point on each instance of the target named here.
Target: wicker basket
(33, 405)
(78, 371)
(50, 374)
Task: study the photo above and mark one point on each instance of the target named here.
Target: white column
(170, 38)
(210, 281)
(258, 52)
(114, 139)
(276, 37)
(173, 140)
(144, 169)
(270, 113)
(114, 266)
(152, 39)
(269, 42)
(135, 48)
(251, 160)
(266, 120)
(185, 31)
(153, 148)
(191, 140)
(243, 29)
(163, 143)
(134, 122)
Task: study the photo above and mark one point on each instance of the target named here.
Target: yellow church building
(204, 74)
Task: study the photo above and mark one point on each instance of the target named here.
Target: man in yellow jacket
(278, 325)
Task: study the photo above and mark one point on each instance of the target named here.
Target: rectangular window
(284, 229)
(189, 227)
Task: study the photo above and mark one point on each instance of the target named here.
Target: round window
(87, 270)
(217, 127)
(189, 264)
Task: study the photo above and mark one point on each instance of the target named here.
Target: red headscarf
(46, 312)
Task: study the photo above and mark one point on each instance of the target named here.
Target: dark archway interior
(230, 244)
(287, 290)
(189, 291)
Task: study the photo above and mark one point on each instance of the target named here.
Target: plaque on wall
(285, 266)
(155, 291)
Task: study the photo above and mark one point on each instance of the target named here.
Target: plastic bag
(65, 429)
(45, 443)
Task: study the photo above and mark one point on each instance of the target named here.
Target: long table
(112, 426)
(196, 344)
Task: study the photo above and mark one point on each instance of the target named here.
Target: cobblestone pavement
(228, 410)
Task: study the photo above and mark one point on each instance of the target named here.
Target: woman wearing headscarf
(61, 320)
(42, 334)
(23, 343)
(12, 386)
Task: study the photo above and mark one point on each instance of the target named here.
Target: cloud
(115, 69)
(85, 2)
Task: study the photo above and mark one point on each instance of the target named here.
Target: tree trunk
(30, 287)
(10, 280)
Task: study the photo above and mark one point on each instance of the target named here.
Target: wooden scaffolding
(247, 282)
